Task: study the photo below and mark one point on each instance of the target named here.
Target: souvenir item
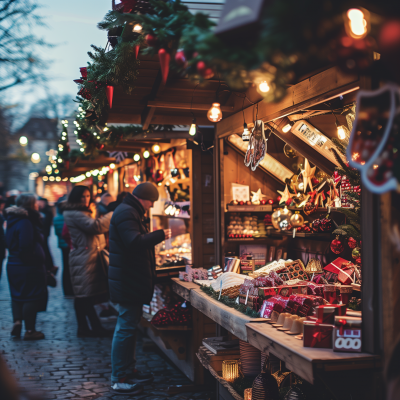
(345, 293)
(317, 335)
(330, 294)
(310, 208)
(265, 386)
(314, 266)
(250, 358)
(347, 334)
(257, 146)
(281, 219)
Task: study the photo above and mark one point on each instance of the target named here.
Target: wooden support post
(148, 112)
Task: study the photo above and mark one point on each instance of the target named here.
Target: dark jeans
(66, 276)
(84, 308)
(123, 351)
(25, 311)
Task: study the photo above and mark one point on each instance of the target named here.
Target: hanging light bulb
(136, 157)
(342, 132)
(137, 28)
(156, 148)
(193, 128)
(23, 140)
(357, 26)
(287, 128)
(146, 154)
(112, 166)
(214, 114)
(263, 87)
(246, 133)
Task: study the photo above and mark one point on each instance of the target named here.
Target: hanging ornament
(296, 221)
(110, 94)
(128, 5)
(356, 253)
(180, 58)
(281, 219)
(352, 243)
(316, 225)
(164, 57)
(308, 174)
(358, 260)
(151, 40)
(289, 152)
(137, 48)
(337, 245)
(326, 224)
(83, 72)
(310, 208)
(285, 195)
(257, 147)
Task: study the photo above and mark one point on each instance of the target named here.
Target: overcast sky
(71, 26)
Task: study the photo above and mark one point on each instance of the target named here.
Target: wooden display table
(182, 288)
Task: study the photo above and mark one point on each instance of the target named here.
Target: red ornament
(128, 5)
(201, 67)
(164, 57)
(208, 73)
(326, 224)
(306, 228)
(110, 94)
(180, 58)
(337, 245)
(270, 201)
(316, 225)
(288, 202)
(151, 40)
(100, 146)
(248, 203)
(83, 72)
(263, 202)
(241, 203)
(358, 260)
(352, 243)
(137, 48)
(279, 198)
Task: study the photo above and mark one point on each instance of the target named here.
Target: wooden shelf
(306, 361)
(172, 328)
(245, 208)
(183, 288)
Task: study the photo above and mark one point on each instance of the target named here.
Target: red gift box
(347, 334)
(317, 335)
(345, 276)
(326, 314)
(343, 269)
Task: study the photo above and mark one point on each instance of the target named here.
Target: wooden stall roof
(82, 166)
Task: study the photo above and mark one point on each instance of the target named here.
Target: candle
(230, 370)
(247, 394)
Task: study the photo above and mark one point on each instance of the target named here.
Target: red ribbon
(319, 336)
(342, 323)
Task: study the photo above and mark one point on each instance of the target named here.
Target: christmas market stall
(273, 140)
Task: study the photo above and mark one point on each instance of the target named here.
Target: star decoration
(308, 174)
(257, 196)
(286, 195)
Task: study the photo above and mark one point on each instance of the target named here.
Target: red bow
(342, 323)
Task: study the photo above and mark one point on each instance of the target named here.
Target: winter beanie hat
(146, 191)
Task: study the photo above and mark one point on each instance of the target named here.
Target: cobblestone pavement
(66, 367)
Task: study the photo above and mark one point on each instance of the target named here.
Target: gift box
(345, 276)
(343, 268)
(347, 334)
(326, 314)
(317, 335)
(266, 292)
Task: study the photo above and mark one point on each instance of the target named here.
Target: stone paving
(66, 367)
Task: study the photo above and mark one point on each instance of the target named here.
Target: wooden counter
(182, 288)
(306, 362)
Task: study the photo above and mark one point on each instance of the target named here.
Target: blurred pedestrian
(47, 215)
(102, 206)
(2, 236)
(112, 206)
(131, 279)
(26, 269)
(88, 259)
(58, 222)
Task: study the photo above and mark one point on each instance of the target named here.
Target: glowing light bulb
(286, 128)
(357, 23)
(246, 133)
(136, 157)
(263, 87)
(88, 174)
(342, 132)
(52, 178)
(58, 179)
(193, 128)
(146, 154)
(23, 140)
(35, 158)
(112, 166)
(137, 28)
(45, 178)
(156, 148)
(214, 114)
(48, 168)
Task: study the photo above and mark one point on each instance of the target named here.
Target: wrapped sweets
(313, 289)
(226, 280)
(275, 303)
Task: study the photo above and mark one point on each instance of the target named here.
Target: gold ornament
(308, 174)
(281, 219)
(289, 152)
(296, 220)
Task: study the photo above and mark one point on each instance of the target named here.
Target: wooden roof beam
(185, 106)
(148, 112)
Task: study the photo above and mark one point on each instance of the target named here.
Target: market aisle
(66, 367)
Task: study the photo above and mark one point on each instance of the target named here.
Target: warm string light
(193, 128)
(214, 114)
(137, 28)
(357, 23)
(263, 87)
(156, 148)
(287, 128)
(23, 141)
(246, 133)
(35, 158)
(146, 154)
(136, 157)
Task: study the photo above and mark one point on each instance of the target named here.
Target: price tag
(237, 300)
(220, 289)
(294, 233)
(247, 296)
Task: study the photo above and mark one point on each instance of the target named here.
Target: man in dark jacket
(131, 277)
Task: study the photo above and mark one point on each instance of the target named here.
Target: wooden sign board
(317, 140)
(273, 166)
(239, 17)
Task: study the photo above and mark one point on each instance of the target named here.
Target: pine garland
(208, 290)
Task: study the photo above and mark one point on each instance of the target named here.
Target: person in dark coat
(58, 223)
(131, 278)
(26, 269)
(2, 236)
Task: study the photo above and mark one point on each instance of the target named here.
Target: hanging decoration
(308, 173)
(281, 219)
(118, 155)
(285, 195)
(110, 94)
(352, 243)
(257, 197)
(337, 245)
(164, 57)
(257, 147)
